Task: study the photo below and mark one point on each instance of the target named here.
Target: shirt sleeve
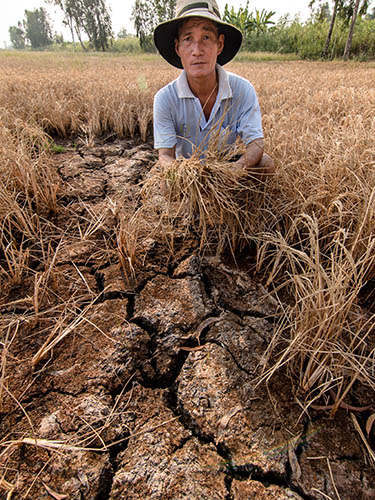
(249, 124)
(165, 135)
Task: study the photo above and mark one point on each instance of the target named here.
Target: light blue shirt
(179, 119)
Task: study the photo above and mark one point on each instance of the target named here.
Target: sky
(121, 12)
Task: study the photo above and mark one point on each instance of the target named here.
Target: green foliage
(37, 28)
(17, 36)
(262, 19)
(128, 45)
(248, 23)
(146, 15)
(312, 39)
(363, 44)
(55, 148)
(304, 40)
(307, 40)
(97, 23)
(281, 38)
(265, 57)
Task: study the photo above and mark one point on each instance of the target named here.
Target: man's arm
(254, 161)
(167, 156)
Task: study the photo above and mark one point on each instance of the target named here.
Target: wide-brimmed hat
(165, 33)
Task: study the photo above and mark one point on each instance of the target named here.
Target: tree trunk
(70, 22)
(348, 45)
(80, 39)
(333, 20)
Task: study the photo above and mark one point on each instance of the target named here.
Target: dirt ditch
(152, 393)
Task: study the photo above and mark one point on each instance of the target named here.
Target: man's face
(198, 45)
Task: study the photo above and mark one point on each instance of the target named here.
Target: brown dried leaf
(223, 422)
(192, 349)
(53, 494)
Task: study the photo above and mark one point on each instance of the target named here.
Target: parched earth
(153, 389)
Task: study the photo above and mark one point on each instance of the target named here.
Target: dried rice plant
(316, 239)
(77, 96)
(324, 339)
(28, 196)
(208, 198)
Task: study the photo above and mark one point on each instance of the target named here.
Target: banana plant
(246, 21)
(243, 19)
(262, 20)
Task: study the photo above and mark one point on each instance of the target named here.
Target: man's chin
(199, 69)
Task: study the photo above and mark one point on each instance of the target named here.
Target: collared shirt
(179, 119)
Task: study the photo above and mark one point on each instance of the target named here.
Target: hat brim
(166, 33)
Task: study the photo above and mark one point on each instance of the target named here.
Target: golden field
(312, 225)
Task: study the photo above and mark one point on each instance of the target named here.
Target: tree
(37, 28)
(97, 23)
(348, 44)
(90, 17)
(122, 33)
(17, 36)
(58, 38)
(146, 15)
(347, 10)
(321, 13)
(330, 31)
(347, 7)
(320, 17)
(68, 17)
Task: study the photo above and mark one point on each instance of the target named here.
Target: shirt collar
(225, 92)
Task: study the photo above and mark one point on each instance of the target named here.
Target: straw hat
(165, 33)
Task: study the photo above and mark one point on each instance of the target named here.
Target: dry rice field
(310, 227)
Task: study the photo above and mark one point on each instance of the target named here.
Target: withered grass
(311, 222)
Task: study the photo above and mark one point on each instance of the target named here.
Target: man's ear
(176, 46)
(221, 44)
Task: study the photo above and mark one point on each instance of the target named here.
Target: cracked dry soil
(159, 380)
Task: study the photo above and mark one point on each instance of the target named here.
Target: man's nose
(197, 47)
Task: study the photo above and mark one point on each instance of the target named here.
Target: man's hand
(167, 156)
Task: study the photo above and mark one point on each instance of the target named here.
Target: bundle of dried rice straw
(210, 198)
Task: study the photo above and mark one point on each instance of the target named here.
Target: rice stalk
(128, 237)
(8, 487)
(58, 333)
(370, 452)
(6, 343)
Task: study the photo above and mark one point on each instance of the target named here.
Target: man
(206, 100)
